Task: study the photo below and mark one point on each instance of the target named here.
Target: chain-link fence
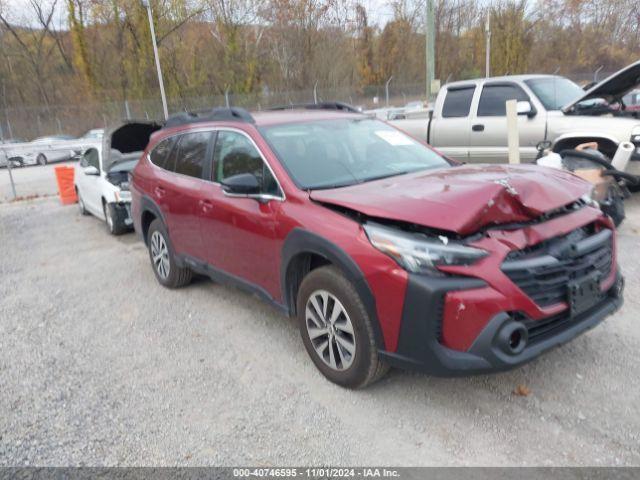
(28, 122)
(31, 122)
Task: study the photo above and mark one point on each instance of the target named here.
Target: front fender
(300, 241)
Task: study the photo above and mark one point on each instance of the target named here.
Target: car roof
(233, 116)
(504, 78)
(277, 117)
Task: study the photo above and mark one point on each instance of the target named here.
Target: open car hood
(462, 199)
(612, 88)
(127, 138)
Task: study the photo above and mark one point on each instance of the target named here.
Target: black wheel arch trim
(148, 205)
(299, 242)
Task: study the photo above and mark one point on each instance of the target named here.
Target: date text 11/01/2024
(316, 472)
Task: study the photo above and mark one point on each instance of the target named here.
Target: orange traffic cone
(66, 188)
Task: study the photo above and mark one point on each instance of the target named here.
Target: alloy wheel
(160, 255)
(330, 330)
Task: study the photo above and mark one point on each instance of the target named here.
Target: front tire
(163, 259)
(81, 205)
(336, 329)
(114, 225)
(41, 159)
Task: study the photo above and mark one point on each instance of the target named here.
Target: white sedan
(103, 190)
(102, 175)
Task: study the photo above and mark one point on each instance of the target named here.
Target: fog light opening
(514, 339)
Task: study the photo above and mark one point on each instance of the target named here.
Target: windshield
(555, 92)
(338, 153)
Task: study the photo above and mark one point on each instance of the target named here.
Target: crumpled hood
(462, 199)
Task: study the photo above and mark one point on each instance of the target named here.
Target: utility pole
(430, 45)
(487, 60)
(147, 5)
(6, 115)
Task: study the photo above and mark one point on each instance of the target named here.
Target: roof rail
(340, 106)
(220, 114)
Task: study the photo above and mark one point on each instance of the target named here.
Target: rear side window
(191, 153)
(161, 153)
(235, 154)
(494, 97)
(457, 103)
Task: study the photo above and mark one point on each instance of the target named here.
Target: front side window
(91, 158)
(494, 97)
(457, 103)
(555, 92)
(235, 154)
(191, 153)
(341, 152)
(161, 153)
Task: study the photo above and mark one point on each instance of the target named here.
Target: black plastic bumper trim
(419, 348)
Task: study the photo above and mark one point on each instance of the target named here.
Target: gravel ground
(99, 365)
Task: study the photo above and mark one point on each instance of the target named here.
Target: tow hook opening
(618, 287)
(513, 337)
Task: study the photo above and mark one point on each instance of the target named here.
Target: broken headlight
(418, 253)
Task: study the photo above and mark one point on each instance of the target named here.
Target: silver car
(53, 148)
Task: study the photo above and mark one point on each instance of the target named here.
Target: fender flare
(300, 241)
(148, 205)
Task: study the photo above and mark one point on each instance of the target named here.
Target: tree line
(102, 50)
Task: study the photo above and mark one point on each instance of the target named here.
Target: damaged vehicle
(102, 175)
(387, 253)
(468, 122)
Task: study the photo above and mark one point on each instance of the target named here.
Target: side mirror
(242, 184)
(91, 170)
(525, 108)
(543, 145)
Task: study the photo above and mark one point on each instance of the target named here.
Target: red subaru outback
(386, 252)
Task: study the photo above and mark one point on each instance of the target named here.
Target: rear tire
(163, 260)
(341, 343)
(41, 159)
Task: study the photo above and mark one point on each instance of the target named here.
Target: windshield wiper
(332, 185)
(386, 175)
(358, 181)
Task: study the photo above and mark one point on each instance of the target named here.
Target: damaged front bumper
(543, 285)
(122, 211)
(420, 347)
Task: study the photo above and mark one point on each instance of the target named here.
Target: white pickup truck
(468, 122)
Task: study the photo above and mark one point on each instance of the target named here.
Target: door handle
(478, 128)
(206, 205)
(160, 192)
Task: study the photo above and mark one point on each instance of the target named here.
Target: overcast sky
(21, 12)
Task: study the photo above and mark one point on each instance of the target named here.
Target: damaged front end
(501, 264)
(419, 253)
